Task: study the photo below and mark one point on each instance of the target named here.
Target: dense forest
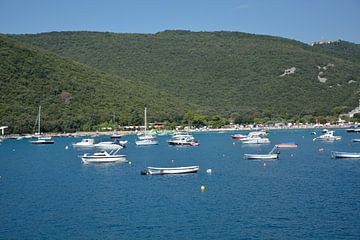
(81, 78)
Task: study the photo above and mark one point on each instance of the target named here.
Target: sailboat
(41, 139)
(146, 139)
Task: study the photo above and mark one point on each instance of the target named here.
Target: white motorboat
(327, 136)
(256, 140)
(356, 140)
(86, 142)
(146, 139)
(344, 155)
(43, 140)
(183, 140)
(40, 138)
(104, 157)
(261, 156)
(108, 145)
(175, 170)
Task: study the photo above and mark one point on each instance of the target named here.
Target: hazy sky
(303, 20)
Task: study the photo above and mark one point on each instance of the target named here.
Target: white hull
(261, 156)
(85, 143)
(109, 159)
(345, 155)
(108, 145)
(177, 170)
(256, 141)
(146, 142)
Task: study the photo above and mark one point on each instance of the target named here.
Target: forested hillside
(73, 96)
(227, 74)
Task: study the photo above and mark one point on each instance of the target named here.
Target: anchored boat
(175, 170)
(344, 155)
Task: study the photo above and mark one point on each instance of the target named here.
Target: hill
(227, 73)
(342, 49)
(73, 96)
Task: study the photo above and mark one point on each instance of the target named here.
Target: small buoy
(264, 164)
(321, 149)
(129, 162)
(233, 143)
(292, 155)
(209, 171)
(202, 188)
(13, 150)
(66, 147)
(173, 161)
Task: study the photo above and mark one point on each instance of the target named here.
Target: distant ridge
(229, 74)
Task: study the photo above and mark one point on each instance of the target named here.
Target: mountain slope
(222, 72)
(72, 95)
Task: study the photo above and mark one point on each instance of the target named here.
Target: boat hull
(38, 142)
(261, 156)
(105, 159)
(344, 155)
(162, 171)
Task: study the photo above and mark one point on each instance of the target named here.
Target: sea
(46, 192)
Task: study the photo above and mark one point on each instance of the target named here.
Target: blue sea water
(46, 192)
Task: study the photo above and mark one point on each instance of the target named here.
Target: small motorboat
(104, 157)
(256, 140)
(175, 170)
(261, 156)
(239, 136)
(356, 140)
(108, 145)
(327, 136)
(86, 142)
(43, 140)
(270, 156)
(287, 145)
(344, 155)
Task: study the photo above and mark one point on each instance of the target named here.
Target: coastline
(204, 130)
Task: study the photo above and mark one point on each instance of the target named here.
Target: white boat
(41, 139)
(108, 145)
(353, 129)
(356, 140)
(146, 139)
(104, 157)
(344, 155)
(327, 136)
(183, 140)
(256, 140)
(175, 170)
(269, 156)
(86, 142)
(261, 156)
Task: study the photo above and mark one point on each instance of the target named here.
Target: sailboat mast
(39, 117)
(145, 120)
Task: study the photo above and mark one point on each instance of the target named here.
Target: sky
(303, 20)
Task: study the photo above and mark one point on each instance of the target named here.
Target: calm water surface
(46, 192)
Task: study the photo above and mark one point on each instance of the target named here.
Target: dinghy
(175, 170)
(344, 155)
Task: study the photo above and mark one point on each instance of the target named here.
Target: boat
(353, 129)
(344, 155)
(271, 155)
(86, 142)
(239, 136)
(116, 135)
(146, 139)
(256, 140)
(175, 170)
(356, 140)
(40, 138)
(104, 157)
(287, 145)
(327, 136)
(261, 156)
(183, 140)
(108, 145)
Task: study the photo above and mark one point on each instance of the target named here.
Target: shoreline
(205, 130)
